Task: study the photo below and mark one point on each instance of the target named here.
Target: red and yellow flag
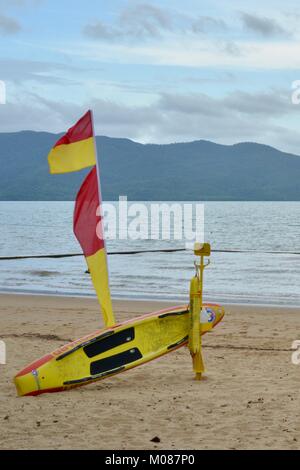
(88, 229)
(76, 149)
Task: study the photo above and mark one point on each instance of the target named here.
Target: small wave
(42, 273)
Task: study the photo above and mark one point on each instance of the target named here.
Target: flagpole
(100, 200)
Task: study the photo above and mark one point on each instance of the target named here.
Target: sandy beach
(248, 399)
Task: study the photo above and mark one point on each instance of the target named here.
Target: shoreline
(142, 299)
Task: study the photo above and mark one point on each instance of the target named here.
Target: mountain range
(199, 170)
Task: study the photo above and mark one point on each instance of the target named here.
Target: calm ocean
(256, 277)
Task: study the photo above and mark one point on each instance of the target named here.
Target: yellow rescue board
(111, 351)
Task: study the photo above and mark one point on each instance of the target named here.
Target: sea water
(254, 276)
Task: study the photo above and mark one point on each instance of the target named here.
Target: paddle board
(113, 350)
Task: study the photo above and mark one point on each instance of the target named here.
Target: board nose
(219, 314)
(26, 384)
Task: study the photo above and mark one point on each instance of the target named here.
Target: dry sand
(249, 398)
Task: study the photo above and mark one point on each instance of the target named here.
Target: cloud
(205, 24)
(192, 51)
(145, 20)
(8, 25)
(230, 48)
(269, 105)
(264, 105)
(135, 22)
(238, 116)
(98, 30)
(262, 25)
(20, 71)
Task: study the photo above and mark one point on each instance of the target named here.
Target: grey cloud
(8, 25)
(265, 105)
(230, 48)
(205, 24)
(99, 30)
(237, 117)
(192, 104)
(262, 25)
(268, 104)
(35, 115)
(145, 19)
(139, 21)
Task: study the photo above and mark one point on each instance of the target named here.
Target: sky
(154, 71)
